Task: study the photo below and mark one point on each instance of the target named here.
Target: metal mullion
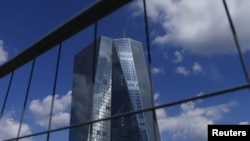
(148, 48)
(26, 98)
(6, 95)
(94, 62)
(94, 52)
(150, 64)
(54, 89)
(236, 40)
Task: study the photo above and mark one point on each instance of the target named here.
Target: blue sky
(193, 53)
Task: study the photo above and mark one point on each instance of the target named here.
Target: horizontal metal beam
(85, 18)
(165, 105)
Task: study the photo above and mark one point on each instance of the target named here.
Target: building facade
(111, 78)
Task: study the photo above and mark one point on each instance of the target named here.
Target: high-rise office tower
(111, 78)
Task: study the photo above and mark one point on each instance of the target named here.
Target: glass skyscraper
(111, 78)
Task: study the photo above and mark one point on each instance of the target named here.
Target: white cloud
(244, 123)
(199, 26)
(200, 94)
(182, 70)
(178, 57)
(159, 70)
(197, 68)
(40, 109)
(9, 128)
(156, 96)
(192, 121)
(3, 53)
